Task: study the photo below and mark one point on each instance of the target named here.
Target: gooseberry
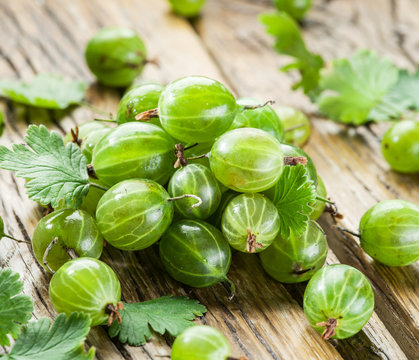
(400, 146)
(63, 234)
(297, 128)
(389, 232)
(187, 8)
(319, 205)
(250, 223)
(338, 301)
(116, 55)
(247, 160)
(86, 285)
(297, 258)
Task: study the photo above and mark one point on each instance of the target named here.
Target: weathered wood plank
(349, 160)
(51, 35)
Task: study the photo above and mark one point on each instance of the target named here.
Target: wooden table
(265, 321)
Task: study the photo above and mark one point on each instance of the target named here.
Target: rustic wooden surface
(265, 321)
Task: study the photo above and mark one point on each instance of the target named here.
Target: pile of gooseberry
(192, 169)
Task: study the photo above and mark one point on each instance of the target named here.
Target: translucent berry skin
(116, 56)
(90, 133)
(295, 8)
(195, 253)
(247, 160)
(187, 8)
(400, 146)
(133, 214)
(134, 150)
(195, 179)
(85, 285)
(264, 118)
(340, 292)
(201, 342)
(251, 212)
(291, 150)
(297, 258)
(390, 232)
(143, 97)
(75, 229)
(196, 109)
(319, 205)
(291, 118)
(92, 198)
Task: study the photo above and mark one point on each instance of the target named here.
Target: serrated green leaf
(288, 41)
(50, 91)
(61, 341)
(168, 313)
(292, 196)
(354, 90)
(15, 309)
(406, 89)
(54, 172)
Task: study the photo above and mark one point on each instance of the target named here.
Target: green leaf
(168, 313)
(406, 89)
(61, 341)
(54, 172)
(50, 91)
(292, 196)
(355, 90)
(15, 309)
(288, 41)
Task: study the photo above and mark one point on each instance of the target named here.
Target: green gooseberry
(133, 214)
(250, 223)
(291, 150)
(261, 117)
(296, 258)
(389, 232)
(198, 180)
(134, 150)
(296, 126)
(187, 8)
(400, 146)
(64, 230)
(201, 342)
(319, 205)
(88, 286)
(338, 301)
(196, 109)
(195, 253)
(116, 56)
(87, 136)
(142, 97)
(247, 160)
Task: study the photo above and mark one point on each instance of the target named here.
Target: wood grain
(265, 321)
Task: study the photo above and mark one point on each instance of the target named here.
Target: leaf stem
(232, 287)
(252, 107)
(197, 198)
(17, 240)
(105, 120)
(98, 186)
(324, 200)
(46, 253)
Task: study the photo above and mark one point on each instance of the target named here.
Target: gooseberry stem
(95, 109)
(46, 253)
(17, 240)
(75, 135)
(98, 186)
(252, 107)
(197, 198)
(353, 233)
(105, 120)
(295, 160)
(332, 208)
(232, 287)
(330, 328)
(113, 312)
(147, 115)
(251, 243)
(197, 157)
